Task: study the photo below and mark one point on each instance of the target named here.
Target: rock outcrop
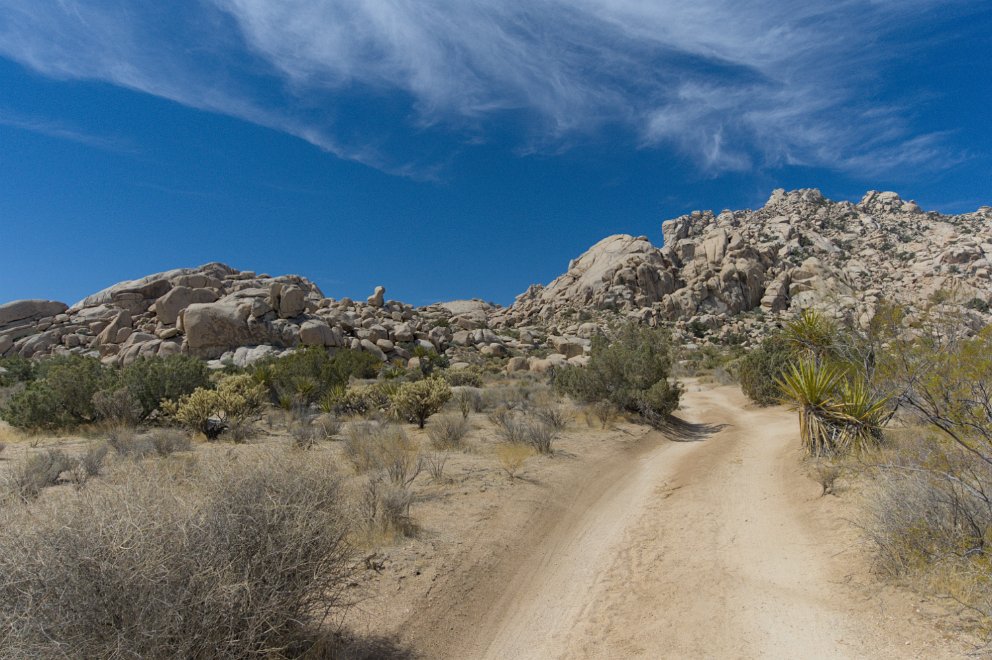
(727, 275)
(719, 273)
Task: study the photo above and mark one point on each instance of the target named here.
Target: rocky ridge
(735, 272)
(725, 276)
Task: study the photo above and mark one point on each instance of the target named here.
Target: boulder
(377, 299)
(214, 327)
(167, 307)
(22, 310)
(292, 302)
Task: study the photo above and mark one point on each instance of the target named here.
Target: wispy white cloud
(62, 131)
(733, 85)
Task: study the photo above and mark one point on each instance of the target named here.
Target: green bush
(61, 396)
(760, 370)
(471, 377)
(631, 372)
(154, 380)
(363, 399)
(309, 374)
(15, 369)
(417, 401)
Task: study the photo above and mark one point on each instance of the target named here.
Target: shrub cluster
(309, 374)
(761, 368)
(237, 559)
(66, 391)
(632, 372)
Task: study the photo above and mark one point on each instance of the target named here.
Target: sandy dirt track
(715, 545)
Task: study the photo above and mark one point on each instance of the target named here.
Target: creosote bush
(760, 369)
(236, 558)
(448, 432)
(310, 374)
(632, 372)
(60, 395)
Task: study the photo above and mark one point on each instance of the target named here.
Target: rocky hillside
(717, 275)
(736, 271)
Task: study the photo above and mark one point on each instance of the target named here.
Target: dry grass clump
(329, 425)
(469, 400)
(233, 558)
(515, 428)
(448, 432)
(553, 416)
(168, 441)
(512, 456)
(602, 412)
(304, 434)
(38, 471)
(371, 446)
(434, 462)
(385, 509)
(126, 442)
(91, 462)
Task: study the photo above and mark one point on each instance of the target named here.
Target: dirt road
(707, 547)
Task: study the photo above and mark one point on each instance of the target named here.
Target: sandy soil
(717, 545)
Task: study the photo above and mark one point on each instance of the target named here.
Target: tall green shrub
(632, 372)
(761, 368)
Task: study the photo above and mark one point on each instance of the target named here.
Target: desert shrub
(15, 369)
(928, 524)
(632, 372)
(168, 441)
(153, 380)
(448, 432)
(385, 508)
(540, 436)
(760, 369)
(92, 459)
(127, 443)
(117, 406)
(553, 416)
(471, 377)
(61, 395)
(512, 456)
(304, 434)
(371, 446)
(328, 425)
(38, 471)
(469, 400)
(509, 425)
(307, 375)
(434, 462)
(236, 401)
(978, 305)
(602, 411)
(430, 361)
(365, 400)
(417, 401)
(239, 559)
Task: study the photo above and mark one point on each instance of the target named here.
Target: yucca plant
(861, 416)
(812, 335)
(810, 389)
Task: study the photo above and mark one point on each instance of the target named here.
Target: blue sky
(457, 149)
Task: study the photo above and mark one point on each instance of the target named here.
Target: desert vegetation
(905, 407)
(633, 371)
